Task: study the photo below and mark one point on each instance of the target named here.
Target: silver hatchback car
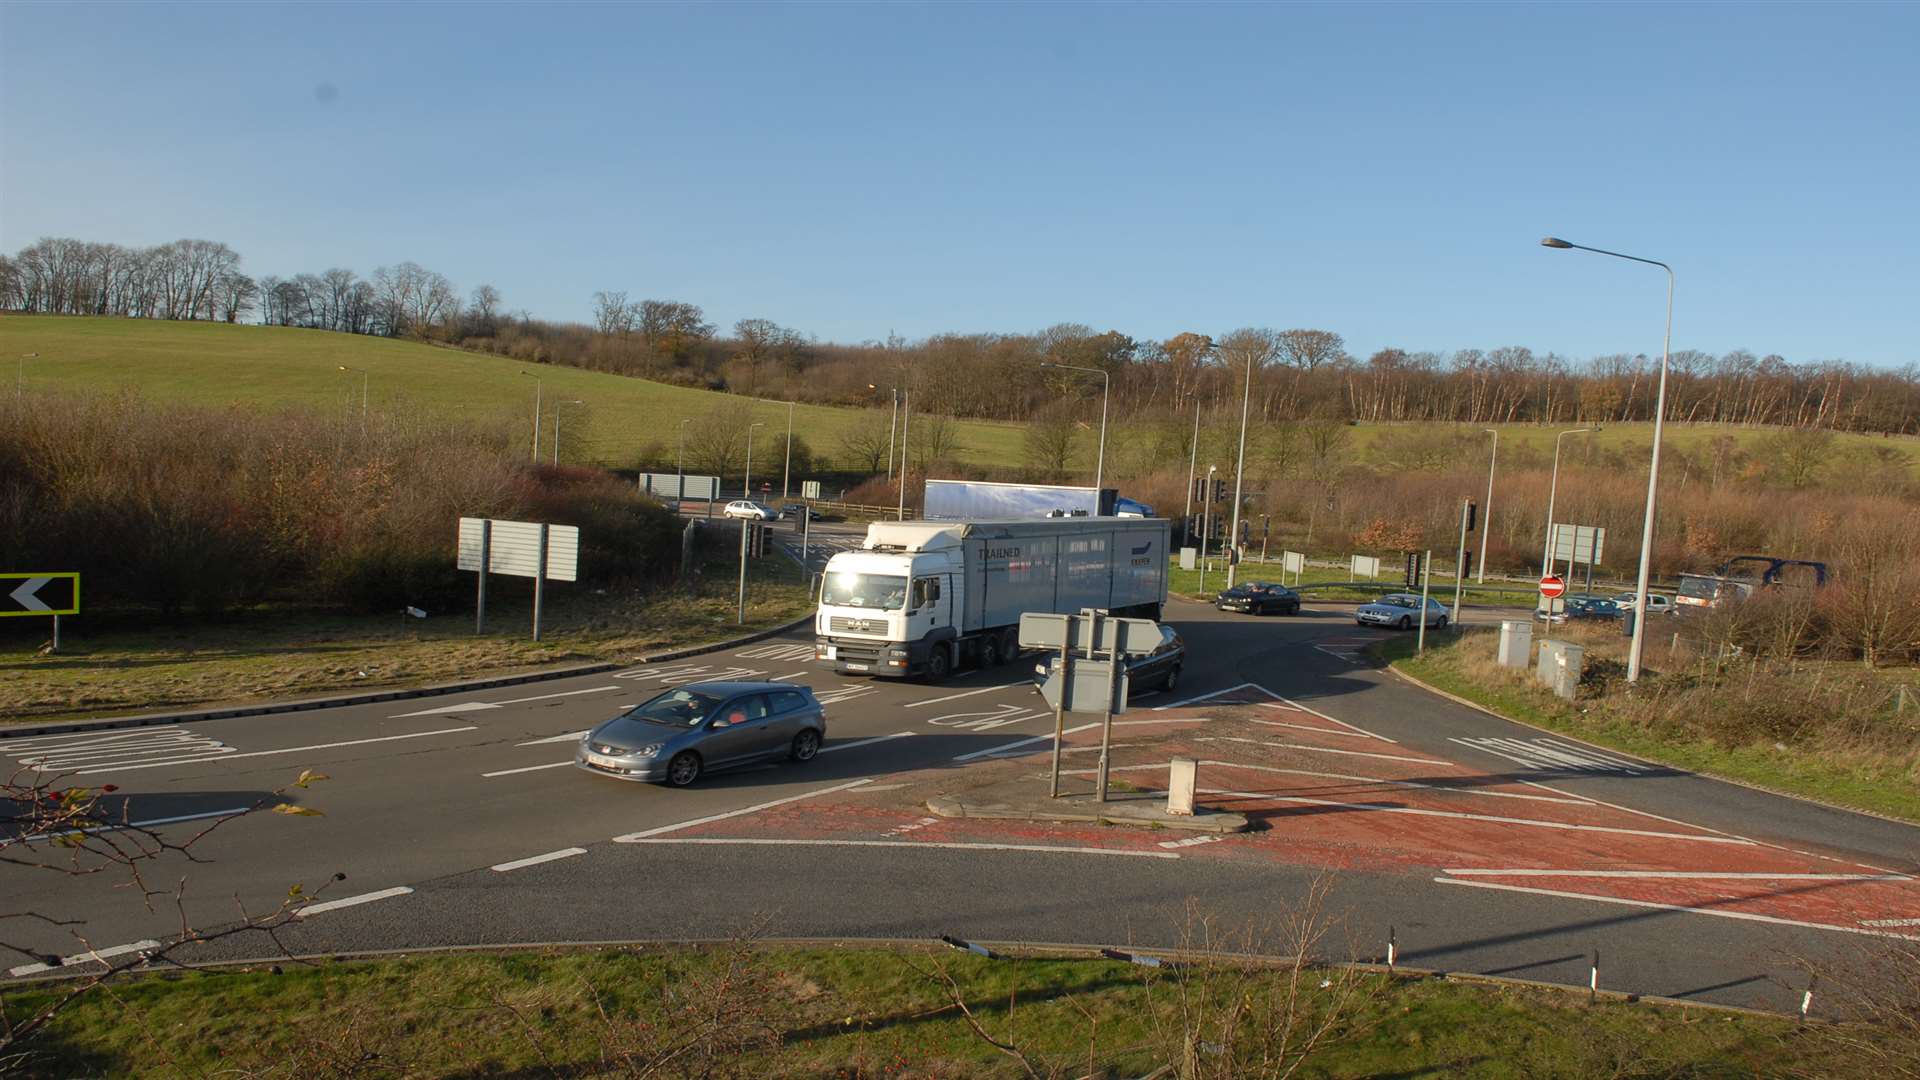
(690, 730)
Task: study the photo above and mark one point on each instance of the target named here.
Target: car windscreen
(885, 591)
(676, 708)
(1399, 601)
(1699, 587)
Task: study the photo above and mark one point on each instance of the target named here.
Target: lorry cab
(884, 609)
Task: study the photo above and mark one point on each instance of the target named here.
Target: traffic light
(1199, 489)
(1464, 574)
(1413, 569)
(1471, 511)
(1220, 489)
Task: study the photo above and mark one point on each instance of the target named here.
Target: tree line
(1300, 373)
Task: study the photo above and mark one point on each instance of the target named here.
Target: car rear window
(788, 700)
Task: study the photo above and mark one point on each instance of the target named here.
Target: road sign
(1293, 562)
(514, 549)
(1579, 544)
(1551, 586)
(1093, 689)
(809, 489)
(52, 593)
(675, 486)
(1130, 637)
(1365, 566)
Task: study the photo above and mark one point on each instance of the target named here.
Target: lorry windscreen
(884, 591)
(1699, 587)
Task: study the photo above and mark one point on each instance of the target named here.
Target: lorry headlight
(896, 652)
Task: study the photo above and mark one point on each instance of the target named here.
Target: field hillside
(219, 364)
(621, 418)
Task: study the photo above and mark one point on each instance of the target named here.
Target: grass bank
(109, 665)
(1827, 730)
(875, 1013)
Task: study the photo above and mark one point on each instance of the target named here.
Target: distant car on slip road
(677, 736)
(1157, 670)
(1399, 610)
(1259, 598)
(1656, 603)
(748, 510)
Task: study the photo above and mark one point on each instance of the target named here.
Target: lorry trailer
(925, 598)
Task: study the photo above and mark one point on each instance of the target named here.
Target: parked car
(1656, 604)
(792, 511)
(1591, 606)
(684, 733)
(748, 510)
(1400, 610)
(1158, 670)
(1259, 598)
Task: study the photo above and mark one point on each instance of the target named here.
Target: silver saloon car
(1401, 611)
(691, 730)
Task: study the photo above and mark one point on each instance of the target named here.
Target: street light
(1486, 512)
(746, 485)
(680, 462)
(363, 391)
(1106, 385)
(20, 374)
(1239, 465)
(786, 474)
(1206, 506)
(1553, 485)
(893, 420)
(1653, 469)
(536, 414)
(906, 449)
(1193, 463)
(556, 426)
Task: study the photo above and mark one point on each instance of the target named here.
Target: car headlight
(649, 750)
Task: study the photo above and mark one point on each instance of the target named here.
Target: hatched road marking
(1557, 755)
(57, 753)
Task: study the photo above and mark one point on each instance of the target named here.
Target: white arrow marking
(25, 598)
(468, 706)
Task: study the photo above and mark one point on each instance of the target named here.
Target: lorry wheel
(1009, 646)
(939, 665)
(990, 651)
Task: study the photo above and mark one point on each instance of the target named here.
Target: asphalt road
(459, 820)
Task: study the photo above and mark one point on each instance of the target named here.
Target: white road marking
(954, 846)
(1890, 922)
(1003, 747)
(832, 697)
(351, 901)
(790, 675)
(1746, 915)
(1401, 783)
(1335, 720)
(1677, 875)
(527, 768)
(969, 693)
(866, 742)
(644, 834)
(1218, 693)
(1464, 816)
(58, 753)
(472, 706)
(1163, 723)
(1191, 841)
(288, 750)
(998, 716)
(571, 736)
(1330, 750)
(1305, 727)
(1554, 754)
(148, 824)
(777, 651)
(95, 955)
(551, 856)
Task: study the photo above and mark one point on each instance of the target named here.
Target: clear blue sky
(1383, 171)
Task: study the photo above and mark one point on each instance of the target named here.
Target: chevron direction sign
(40, 594)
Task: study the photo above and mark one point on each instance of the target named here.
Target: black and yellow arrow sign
(56, 593)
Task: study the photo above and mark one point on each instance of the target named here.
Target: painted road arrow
(27, 598)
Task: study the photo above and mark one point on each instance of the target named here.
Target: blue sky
(1383, 171)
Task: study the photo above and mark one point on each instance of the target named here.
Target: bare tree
(864, 443)
(1049, 442)
(612, 314)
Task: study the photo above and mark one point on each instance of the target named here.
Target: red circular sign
(1551, 586)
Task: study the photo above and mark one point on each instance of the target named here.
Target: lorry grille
(843, 624)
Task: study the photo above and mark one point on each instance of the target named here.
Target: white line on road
(571, 736)
(82, 958)
(1022, 742)
(527, 768)
(953, 846)
(630, 838)
(1305, 727)
(1334, 720)
(470, 706)
(1400, 783)
(969, 693)
(1678, 875)
(1184, 720)
(148, 824)
(789, 675)
(866, 742)
(1215, 694)
(1746, 915)
(1191, 841)
(351, 901)
(1464, 816)
(1890, 922)
(551, 856)
(288, 750)
(1330, 750)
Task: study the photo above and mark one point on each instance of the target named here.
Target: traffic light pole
(1459, 564)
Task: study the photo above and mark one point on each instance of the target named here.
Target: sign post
(529, 549)
(1087, 685)
(56, 594)
(480, 599)
(1426, 580)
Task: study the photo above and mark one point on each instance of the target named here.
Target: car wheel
(684, 769)
(990, 652)
(1406, 622)
(1442, 624)
(805, 745)
(1172, 680)
(939, 665)
(1293, 608)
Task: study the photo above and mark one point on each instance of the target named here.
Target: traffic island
(1025, 799)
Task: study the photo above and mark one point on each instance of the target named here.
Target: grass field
(869, 1013)
(211, 363)
(216, 364)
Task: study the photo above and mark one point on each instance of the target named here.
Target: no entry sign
(1551, 586)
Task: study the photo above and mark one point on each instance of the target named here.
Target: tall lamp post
(20, 374)
(906, 449)
(536, 414)
(893, 420)
(786, 474)
(746, 485)
(1486, 512)
(364, 376)
(1106, 385)
(1206, 508)
(1553, 487)
(1239, 471)
(557, 409)
(1193, 465)
(1653, 469)
(680, 463)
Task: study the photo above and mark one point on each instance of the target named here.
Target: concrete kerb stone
(1083, 810)
(372, 697)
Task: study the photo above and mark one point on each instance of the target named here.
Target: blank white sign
(515, 549)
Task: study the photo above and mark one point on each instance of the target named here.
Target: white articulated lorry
(927, 597)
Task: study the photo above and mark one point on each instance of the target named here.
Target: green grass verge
(274, 654)
(857, 1012)
(215, 364)
(1462, 665)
